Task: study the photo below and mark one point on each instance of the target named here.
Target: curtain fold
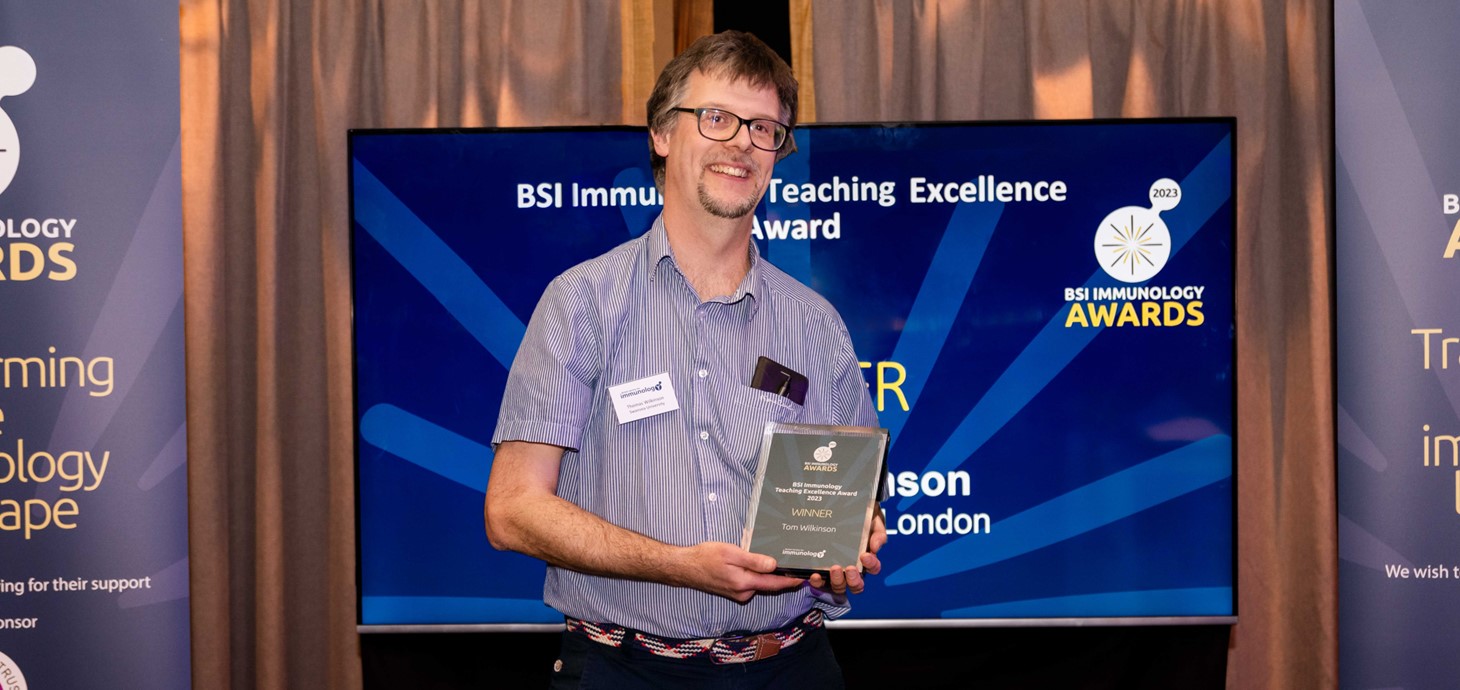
(1267, 62)
(270, 88)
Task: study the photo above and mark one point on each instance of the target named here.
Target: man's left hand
(844, 580)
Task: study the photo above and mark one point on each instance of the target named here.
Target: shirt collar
(751, 286)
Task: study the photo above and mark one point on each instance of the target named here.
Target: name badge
(646, 397)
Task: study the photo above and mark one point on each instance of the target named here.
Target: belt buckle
(767, 645)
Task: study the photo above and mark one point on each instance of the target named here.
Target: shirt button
(712, 497)
(704, 435)
(704, 373)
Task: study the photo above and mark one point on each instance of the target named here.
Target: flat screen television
(1043, 310)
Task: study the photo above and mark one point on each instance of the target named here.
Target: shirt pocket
(748, 412)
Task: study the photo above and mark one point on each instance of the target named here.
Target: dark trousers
(807, 665)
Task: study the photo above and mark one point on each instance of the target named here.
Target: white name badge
(646, 397)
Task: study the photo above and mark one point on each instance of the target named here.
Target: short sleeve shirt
(681, 477)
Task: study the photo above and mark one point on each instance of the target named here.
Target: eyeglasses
(723, 125)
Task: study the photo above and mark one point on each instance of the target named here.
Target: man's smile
(729, 170)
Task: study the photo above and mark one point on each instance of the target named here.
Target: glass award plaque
(815, 495)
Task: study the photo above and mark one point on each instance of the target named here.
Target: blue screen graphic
(1044, 313)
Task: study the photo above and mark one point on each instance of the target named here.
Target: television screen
(1043, 313)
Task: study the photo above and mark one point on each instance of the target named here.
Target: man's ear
(661, 143)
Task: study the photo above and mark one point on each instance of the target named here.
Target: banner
(1397, 204)
(93, 446)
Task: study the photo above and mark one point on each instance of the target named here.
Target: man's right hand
(729, 571)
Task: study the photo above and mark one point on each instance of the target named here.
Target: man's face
(726, 178)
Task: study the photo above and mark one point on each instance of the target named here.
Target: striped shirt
(681, 477)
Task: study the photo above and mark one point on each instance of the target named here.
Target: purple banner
(93, 443)
(1397, 177)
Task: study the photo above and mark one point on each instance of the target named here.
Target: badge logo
(823, 453)
(1132, 244)
(10, 676)
(17, 73)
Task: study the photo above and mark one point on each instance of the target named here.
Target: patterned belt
(720, 650)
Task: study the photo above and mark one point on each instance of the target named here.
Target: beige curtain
(269, 88)
(1267, 62)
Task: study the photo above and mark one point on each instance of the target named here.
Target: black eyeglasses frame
(782, 128)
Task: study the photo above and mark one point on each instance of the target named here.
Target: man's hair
(736, 55)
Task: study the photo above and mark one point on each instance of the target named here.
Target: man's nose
(736, 140)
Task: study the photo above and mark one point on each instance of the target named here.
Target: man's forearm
(524, 514)
(564, 535)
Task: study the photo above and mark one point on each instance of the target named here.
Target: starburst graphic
(1133, 243)
(823, 453)
(1132, 247)
(17, 74)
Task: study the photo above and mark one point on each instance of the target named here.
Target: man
(639, 519)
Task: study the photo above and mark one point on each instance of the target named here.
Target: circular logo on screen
(17, 73)
(10, 676)
(1132, 244)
